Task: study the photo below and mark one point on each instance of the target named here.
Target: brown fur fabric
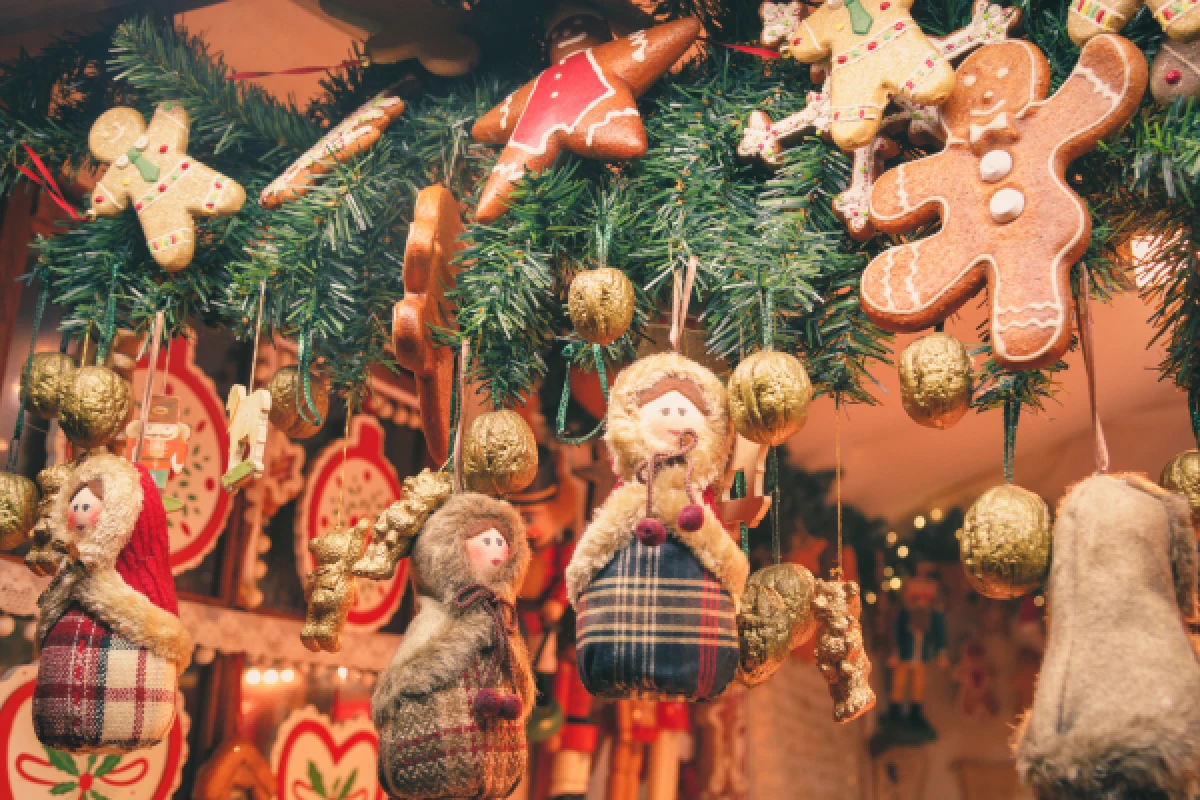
(1116, 714)
(93, 582)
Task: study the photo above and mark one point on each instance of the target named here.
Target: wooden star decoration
(584, 104)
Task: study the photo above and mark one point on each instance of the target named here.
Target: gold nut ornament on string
(601, 304)
(935, 380)
(44, 381)
(499, 454)
(1182, 475)
(776, 616)
(769, 394)
(18, 509)
(95, 406)
(1005, 545)
(287, 395)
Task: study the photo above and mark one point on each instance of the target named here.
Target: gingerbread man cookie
(150, 167)
(355, 134)
(875, 51)
(1009, 219)
(1175, 71)
(1089, 18)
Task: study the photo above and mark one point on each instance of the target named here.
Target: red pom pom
(691, 518)
(1173, 76)
(487, 703)
(510, 707)
(651, 532)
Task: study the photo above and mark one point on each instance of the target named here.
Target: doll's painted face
(667, 416)
(487, 551)
(83, 512)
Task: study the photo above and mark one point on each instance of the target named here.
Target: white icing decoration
(968, 80)
(122, 161)
(999, 123)
(1006, 205)
(510, 172)
(995, 166)
(504, 110)
(609, 117)
(1098, 85)
(639, 41)
(141, 143)
(1002, 72)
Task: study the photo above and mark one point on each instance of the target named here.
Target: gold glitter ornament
(397, 527)
(935, 380)
(499, 454)
(44, 557)
(769, 393)
(18, 507)
(840, 654)
(286, 396)
(43, 383)
(601, 303)
(775, 617)
(95, 406)
(331, 587)
(1182, 475)
(1005, 545)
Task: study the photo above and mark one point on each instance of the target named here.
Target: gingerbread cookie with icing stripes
(150, 168)
(1009, 219)
(1179, 19)
(1175, 71)
(875, 51)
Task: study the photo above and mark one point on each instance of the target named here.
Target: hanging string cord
(1088, 345)
(1194, 410)
(454, 412)
(649, 468)
(838, 571)
(464, 358)
(262, 296)
(1012, 415)
(773, 480)
(110, 317)
(681, 297)
(307, 407)
(14, 444)
(156, 332)
(564, 401)
(767, 304)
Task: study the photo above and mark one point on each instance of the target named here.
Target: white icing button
(141, 143)
(968, 80)
(1002, 72)
(1006, 205)
(995, 166)
(989, 94)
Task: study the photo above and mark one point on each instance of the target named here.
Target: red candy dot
(841, 59)
(184, 165)
(162, 187)
(1173, 76)
(884, 6)
(872, 45)
(162, 149)
(138, 207)
(85, 782)
(98, 199)
(899, 26)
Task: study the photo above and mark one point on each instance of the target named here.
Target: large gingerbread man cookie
(875, 51)
(150, 167)
(1009, 219)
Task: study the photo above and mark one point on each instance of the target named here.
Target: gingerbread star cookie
(1008, 218)
(584, 104)
(150, 168)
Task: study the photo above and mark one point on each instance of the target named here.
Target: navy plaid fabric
(654, 622)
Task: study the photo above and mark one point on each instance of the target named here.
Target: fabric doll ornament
(112, 645)
(670, 435)
(1116, 713)
(452, 706)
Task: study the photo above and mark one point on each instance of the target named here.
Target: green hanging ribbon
(766, 304)
(745, 539)
(1194, 408)
(772, 481)
(303, 409)
(454, 412)
(598, 356)
(109, 329)
(860, 20)
(737, 491)
(1012, 413)
(14, 444)
(145, 168)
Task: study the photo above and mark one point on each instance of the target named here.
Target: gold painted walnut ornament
(1005, 545)
(287, 396)
(499, 454)
(840, 654)
(48, 552)
(935, 380)
(95, 406)
(18, 507)
(399, 524)
(331, 586)
(769, 393)
(44, 381)
(1182, 475)
(601, 304)
(776, 616)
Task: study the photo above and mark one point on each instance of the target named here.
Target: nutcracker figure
(164, 444)
(920, 638)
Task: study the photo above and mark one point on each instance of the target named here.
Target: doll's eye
(86, 506)
(487, 541)
(666, 412)
(682, 411)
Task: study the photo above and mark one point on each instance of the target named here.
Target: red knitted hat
(145, 561)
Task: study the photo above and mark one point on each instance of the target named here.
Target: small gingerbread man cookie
(875, 51)
(150, 167)
(1089, 18)
(1009, 219)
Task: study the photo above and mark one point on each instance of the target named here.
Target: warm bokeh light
(902, 551)
(937, 515)
(888, 572)
(343, 672)
(271, 677)
(253, 677)
(896, 583)
(892, 537)
(870, 598)
(288, 675)
(919, 523)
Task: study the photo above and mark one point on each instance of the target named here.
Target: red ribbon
(245, 76)
(761, 52)
(47, 182)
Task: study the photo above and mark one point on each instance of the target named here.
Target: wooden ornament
(1175, 71)
(287, 396)
(94, 407)
(1017, 233)
(150, 169)
(429, 272)
(401, 30)
(43, 382)
(18, 509)
(248, 429)
(584, 104)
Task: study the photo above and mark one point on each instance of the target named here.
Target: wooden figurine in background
(248, 427)
(164, 442)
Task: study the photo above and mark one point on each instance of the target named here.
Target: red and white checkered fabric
(99, 692)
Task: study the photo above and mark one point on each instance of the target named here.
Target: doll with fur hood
(451, 707)
(655, 579)
(113, 599)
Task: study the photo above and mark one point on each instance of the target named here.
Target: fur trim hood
(122, 507)
(626, 441)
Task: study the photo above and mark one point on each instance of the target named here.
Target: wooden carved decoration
(248, 428)
(428, 274)
(235, 769)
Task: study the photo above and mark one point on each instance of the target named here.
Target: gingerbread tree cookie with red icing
(150, 168)
(1009, 219)
(876, 52)
(585, 104)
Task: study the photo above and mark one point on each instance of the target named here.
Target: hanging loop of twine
(1088, 345)
(262, 295)
(307, 407)
(838, 571)
(156, 332)
(681, 296)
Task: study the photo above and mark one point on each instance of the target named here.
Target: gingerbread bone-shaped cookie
(1008, 217)
(150, 168)
(876, 52)
(1090, 18)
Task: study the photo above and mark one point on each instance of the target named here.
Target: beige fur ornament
(149, 168)
(841, 656)
(1116, 712)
